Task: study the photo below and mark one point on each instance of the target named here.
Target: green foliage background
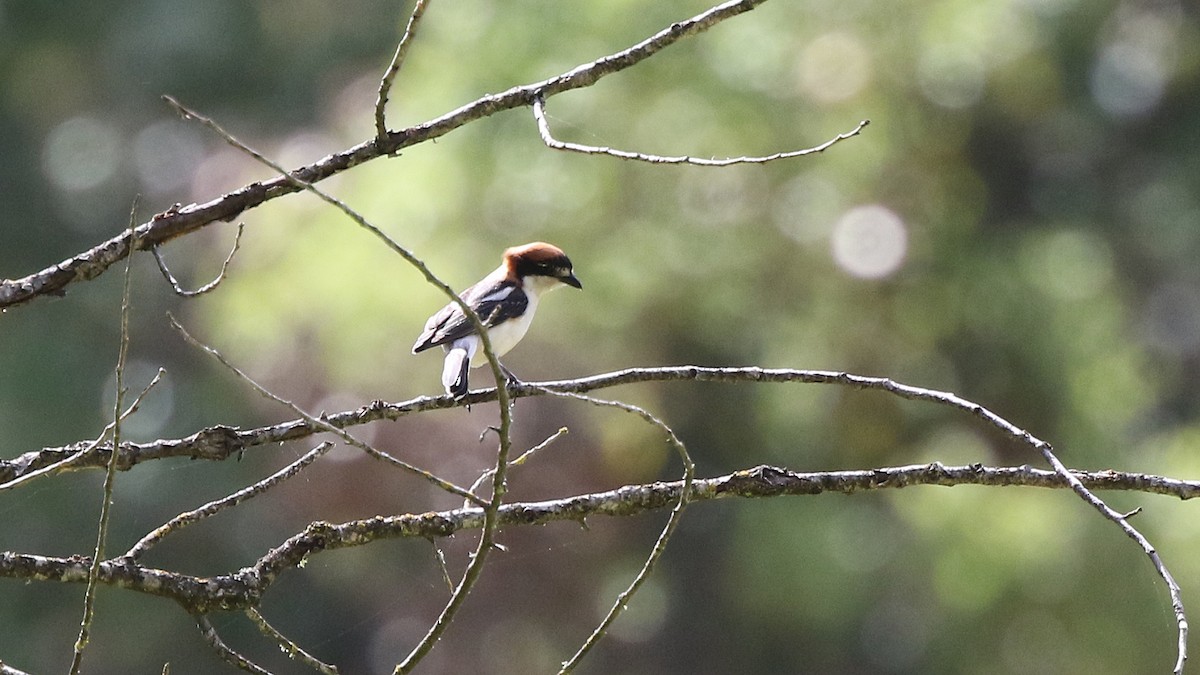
(1042, 156)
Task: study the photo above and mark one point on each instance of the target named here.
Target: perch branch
(220, 442)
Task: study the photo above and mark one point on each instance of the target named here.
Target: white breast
(506, 336)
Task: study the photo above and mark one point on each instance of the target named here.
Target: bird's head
(541, 262)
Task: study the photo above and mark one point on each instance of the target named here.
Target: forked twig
(174, 223)
(214, 507)
(385, 84)
(179, 289)
(78, 457)
(660, 545)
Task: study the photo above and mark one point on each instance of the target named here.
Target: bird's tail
(454, 372)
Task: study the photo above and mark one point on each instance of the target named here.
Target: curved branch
(220, 442)
(543, 125)
(180, 220)
(245, 588)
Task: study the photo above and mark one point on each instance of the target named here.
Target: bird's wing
(494, 304)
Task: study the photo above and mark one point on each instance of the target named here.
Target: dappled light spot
(1127, 81)
(870, 242)
(951, 77)
(1067, 264)
(165, 155)
(1172, 318)
(81, 153)
(1134, 65)
(834, 67)
(807, 206)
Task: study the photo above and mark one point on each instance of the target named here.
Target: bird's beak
(570, 280)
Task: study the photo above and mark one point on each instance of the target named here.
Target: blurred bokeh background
(1019, 224)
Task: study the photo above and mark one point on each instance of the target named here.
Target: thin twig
(322, 424)
(89, 596)
(539, 114)
(78, 457)
(293, 650)
(441, 558)
(487, 536)
(385, 85)
(660, 545)
(214, 507)
(179, 289)
(1122, 521)
(520, 460)
(227, 654)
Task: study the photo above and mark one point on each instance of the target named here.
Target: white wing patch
(498, 294)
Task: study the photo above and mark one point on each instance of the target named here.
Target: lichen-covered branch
(245, 588)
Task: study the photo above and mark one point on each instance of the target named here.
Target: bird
(505, 302)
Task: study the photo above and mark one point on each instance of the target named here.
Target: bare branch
(385, 85)
(181, 220)
(1122, 522)
(227, 654)
(246, 587)
(290, 648)
(219, 442)
(689, 474)
(76, 459)
(214, 507)
(539, 114)
(180, 290)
